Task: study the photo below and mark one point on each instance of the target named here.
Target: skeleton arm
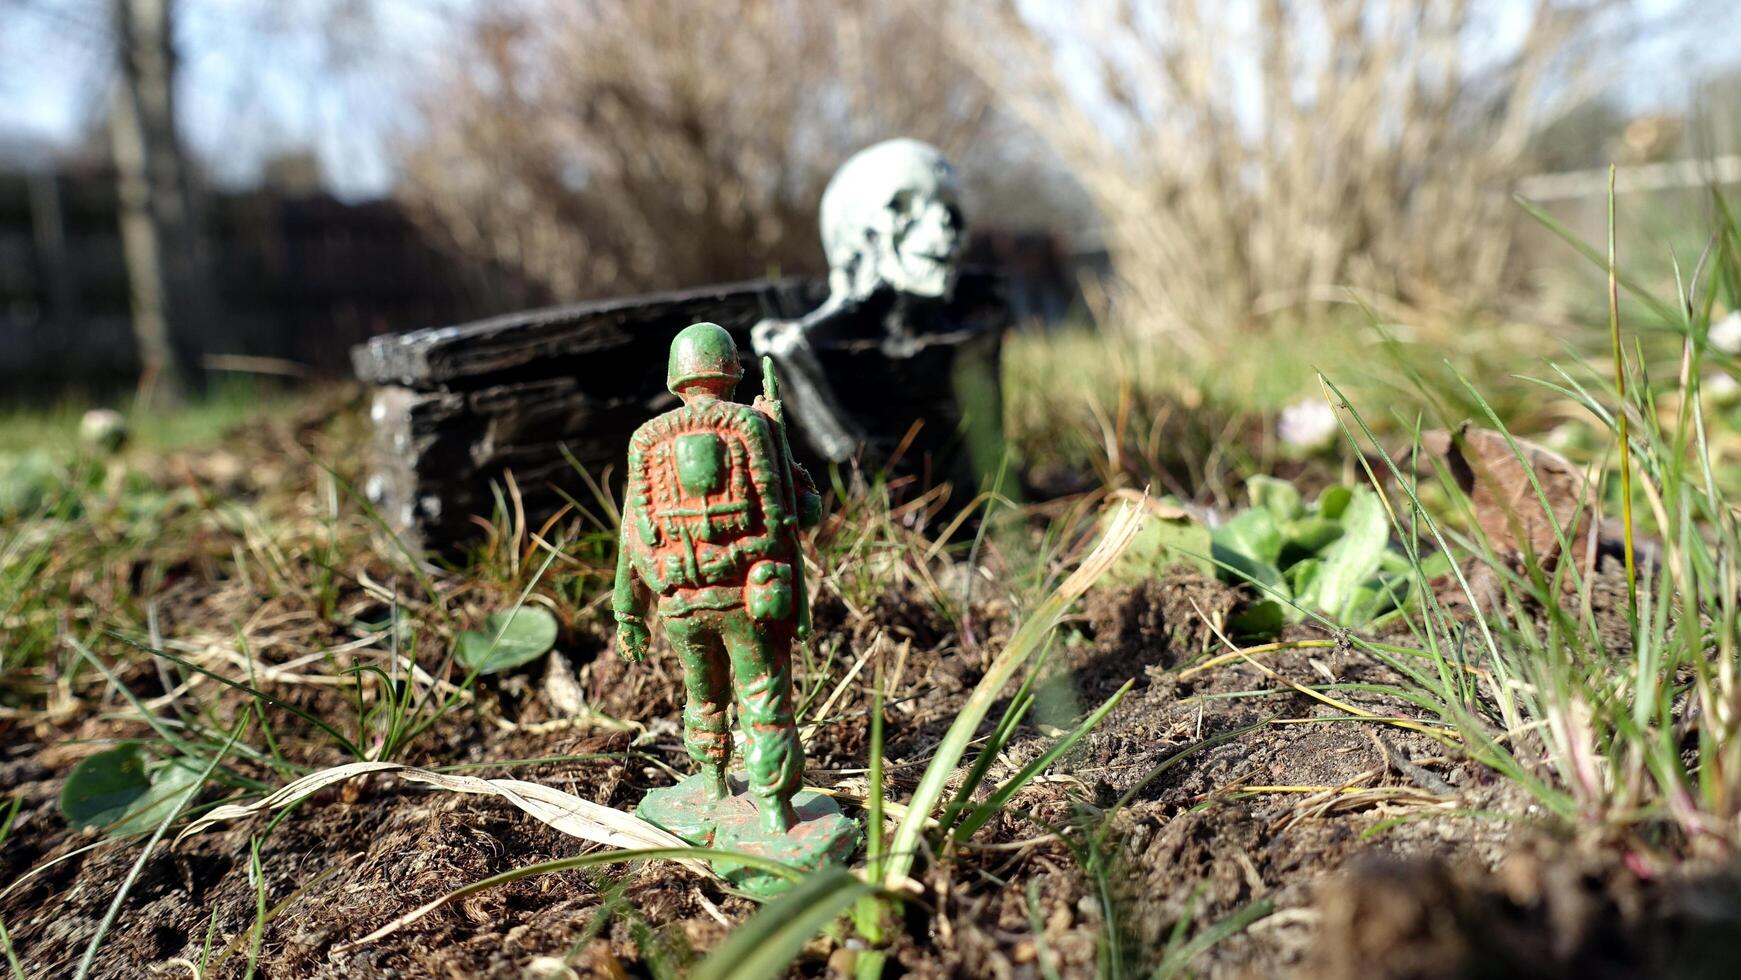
(827, 426)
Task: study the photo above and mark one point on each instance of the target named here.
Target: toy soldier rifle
(771, 395)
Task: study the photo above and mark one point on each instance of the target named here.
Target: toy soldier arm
(806, 509)
(632, 599)
(630, 605)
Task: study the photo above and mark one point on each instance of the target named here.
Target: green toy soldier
(710, 542)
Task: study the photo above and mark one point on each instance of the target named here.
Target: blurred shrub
(1254, 157)
(609, 146)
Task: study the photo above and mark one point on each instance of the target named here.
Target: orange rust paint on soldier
(710, 543)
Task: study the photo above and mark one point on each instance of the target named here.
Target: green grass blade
(1028, 640)
(989, 752)
(257, 933)
(1187, 915)
(11, 808)
(1620, 412)
(127, 883)
(205, 955)
(1037, 923)
(155, 723)
(868, 915)
(11, 955)
(349, 746)
(1180, 959)
(1570, 237)
(985, 811)
(768, 942)
(262, 916)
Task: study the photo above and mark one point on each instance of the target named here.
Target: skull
(892, 216)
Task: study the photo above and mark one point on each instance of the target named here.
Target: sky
(258, 78)
(262, 77)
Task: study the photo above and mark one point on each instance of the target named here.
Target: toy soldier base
(710, 545)
(820, 833)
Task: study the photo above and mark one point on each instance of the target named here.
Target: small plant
(1170, 538)
(890, 866)
(1331, 560)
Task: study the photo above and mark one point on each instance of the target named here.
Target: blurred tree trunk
(158, 233)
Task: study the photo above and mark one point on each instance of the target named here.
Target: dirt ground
(1379, 851)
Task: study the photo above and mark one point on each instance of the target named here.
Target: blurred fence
(1666, 175)
(298, 279)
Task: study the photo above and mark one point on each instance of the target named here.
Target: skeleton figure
(891, 224)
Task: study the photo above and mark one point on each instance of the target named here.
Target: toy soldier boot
(761, 660)
(707, 679)
(760, 657)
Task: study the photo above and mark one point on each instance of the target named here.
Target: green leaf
(1354, 558)
(1247, 548)
(1306, 537)
(1160, 545)
(1303, 576)
(104, 786)
(1264, 618)
(1381, 595)
(127, 883)
(767, 943)
(1334, 501)
(1436, 564)
(1253, 533)
(1279, 497)
(1237, 568)
(509, 640)
(1370, 600)
(1395, 562)
(112, 790)
(172, 788)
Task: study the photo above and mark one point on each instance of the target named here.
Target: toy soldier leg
(761, 663)
(706, 730)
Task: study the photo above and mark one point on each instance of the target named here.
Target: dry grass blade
(539, 89)
(1441, 734)
(569, 814)
(683, 855)
(1246, 653)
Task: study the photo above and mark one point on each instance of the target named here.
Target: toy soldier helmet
(702, 352)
